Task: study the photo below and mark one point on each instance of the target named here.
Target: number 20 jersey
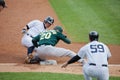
(51, 37)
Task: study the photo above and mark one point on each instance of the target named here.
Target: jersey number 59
(96, 48)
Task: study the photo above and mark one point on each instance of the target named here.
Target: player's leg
(40, 54)
(85, 71)
(87, 77)
(26, 41)
(104, 74)
(57, 52)
(54, 51)
(30, 50)
(60, 52)
(43, 52)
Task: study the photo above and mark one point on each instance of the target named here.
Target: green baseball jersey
(50, 37)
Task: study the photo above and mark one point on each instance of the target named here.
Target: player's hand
(24, 31)
(64, 65)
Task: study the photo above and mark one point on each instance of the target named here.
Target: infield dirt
(15, 17)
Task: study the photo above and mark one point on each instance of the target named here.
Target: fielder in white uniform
(97, 55)
(32, 29)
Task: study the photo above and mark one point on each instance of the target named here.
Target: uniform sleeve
(74, 59)
(108, 52)
(35, 40)
(32, 23)
(81, 53)
(64, 38)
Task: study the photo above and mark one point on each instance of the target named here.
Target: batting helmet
(2, 3)
(49, 20)
(93, 35)
(58, 28)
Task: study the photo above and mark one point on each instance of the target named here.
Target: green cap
(58, 28)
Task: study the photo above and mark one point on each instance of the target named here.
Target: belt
(30, 35)
(45, 44)
(104, 65)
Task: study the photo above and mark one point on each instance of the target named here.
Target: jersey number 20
(45, 36)
(96, 48)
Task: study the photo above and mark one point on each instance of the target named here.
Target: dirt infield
(14, 18)
(71, 69)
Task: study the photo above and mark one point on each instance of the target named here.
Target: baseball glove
(28, 59)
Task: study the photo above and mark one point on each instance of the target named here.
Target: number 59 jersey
(95, 52)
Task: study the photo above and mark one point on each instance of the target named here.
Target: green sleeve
(64, 38)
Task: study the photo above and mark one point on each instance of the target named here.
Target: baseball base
(48, 62)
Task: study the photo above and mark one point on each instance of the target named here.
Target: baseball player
(46, 42)
(31, 30)
(97, 55)
(2, 5)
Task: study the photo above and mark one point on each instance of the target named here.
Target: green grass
(79, 17)
(42, 76)
(38, 76)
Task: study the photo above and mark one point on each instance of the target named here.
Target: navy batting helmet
(93, 35)
(49, 20)
(58, 28)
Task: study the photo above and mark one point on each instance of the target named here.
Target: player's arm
(35, 40)
(24, 30)
(64, 38)
(72, 60)
(26, 27)
(30, 25)
(107, 50)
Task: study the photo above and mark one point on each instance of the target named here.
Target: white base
(48, 62)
